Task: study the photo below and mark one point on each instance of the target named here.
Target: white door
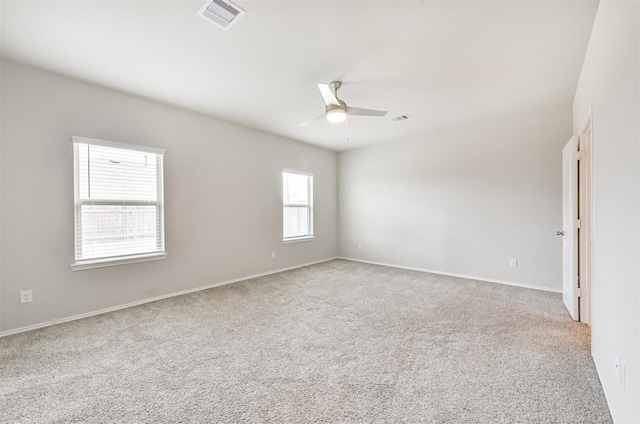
(570, 227)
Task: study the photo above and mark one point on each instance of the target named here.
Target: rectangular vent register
(400, 118)
(223, 13)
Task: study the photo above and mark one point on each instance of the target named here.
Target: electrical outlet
(620, 373)
(513, 263)
(273, 254)
(359, 246)
(26, 296)
(623, 376)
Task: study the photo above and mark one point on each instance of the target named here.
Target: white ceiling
(445, 63)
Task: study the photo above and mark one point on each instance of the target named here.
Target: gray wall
(609, 84)
(222, 192)
(463, 201)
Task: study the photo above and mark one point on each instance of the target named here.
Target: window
(118, 203)
(297, 210)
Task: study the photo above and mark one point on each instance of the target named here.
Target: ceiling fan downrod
(335, 85)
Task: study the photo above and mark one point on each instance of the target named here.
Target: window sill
(101, 263)
(297, 239)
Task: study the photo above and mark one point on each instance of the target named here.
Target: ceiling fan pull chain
(347, 119)
(326, 130)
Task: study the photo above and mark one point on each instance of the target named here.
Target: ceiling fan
(336, 110)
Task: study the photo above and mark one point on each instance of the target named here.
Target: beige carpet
(335, 342)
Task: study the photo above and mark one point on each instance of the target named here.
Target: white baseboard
(469, 277)
(153, 299)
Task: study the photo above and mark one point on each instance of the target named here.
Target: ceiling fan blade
(365, 112)
(311, 120)
(327, 94)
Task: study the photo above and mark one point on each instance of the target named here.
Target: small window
(297, 211)
(118, 203)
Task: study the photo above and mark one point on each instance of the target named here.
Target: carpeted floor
(335, 342)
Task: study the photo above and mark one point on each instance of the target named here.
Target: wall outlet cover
(620, 372)
(26, 296)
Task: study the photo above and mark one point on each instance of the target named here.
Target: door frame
(585, 207)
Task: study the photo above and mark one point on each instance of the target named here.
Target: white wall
(222, 192)
(462, 201)
(609, 84)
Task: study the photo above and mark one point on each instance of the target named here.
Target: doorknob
(559, 233)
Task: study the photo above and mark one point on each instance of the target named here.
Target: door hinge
(580, 155)
(579, 292)
(578, 224)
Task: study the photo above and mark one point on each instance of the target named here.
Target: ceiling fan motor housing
(342, 107)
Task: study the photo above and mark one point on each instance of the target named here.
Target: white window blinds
(118, 200)
(297, 193)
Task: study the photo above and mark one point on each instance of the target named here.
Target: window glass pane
(114, 230)
(296, 189)
(297, 205)
(118, 200)
(107, 173)
(295, 222)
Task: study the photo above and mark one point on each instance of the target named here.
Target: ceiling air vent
(400, 118)
(223, 13)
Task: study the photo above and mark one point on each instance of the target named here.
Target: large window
(297, 210)
(118, 203)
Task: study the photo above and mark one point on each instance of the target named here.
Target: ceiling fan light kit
(336, 114)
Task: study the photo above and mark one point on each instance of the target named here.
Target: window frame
(81, 264)
(310, 193)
